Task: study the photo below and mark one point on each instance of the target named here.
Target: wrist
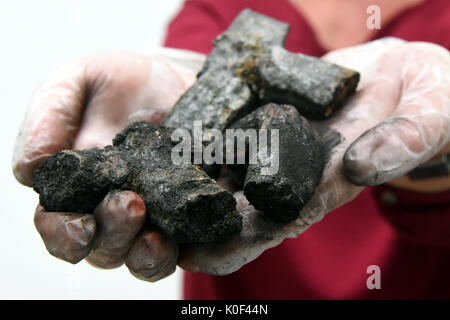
(431, 177)
(426, 185)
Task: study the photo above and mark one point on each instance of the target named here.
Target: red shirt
(406, 234)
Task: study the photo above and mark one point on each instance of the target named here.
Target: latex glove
(398, 119)
(83, 105)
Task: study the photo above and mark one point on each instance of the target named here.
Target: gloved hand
(398, 119)
(404, 88)
(83, 105)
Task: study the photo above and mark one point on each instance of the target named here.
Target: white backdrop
(36, 37)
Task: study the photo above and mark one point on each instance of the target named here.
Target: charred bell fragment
(301, 159)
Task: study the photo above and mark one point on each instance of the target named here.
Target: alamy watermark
(374, 20)
(374, 280)
(235, 147)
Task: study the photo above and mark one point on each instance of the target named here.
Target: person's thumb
(418, 128)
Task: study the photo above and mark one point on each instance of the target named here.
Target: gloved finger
(119, 218)
(393, 148)
(153, 256)
(67, 236)
(51, 122)
(418, 128)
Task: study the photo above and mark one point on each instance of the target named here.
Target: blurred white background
(37, 37)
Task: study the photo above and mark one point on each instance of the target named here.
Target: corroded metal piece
(249, 67)
(301, 159)
(181, 200)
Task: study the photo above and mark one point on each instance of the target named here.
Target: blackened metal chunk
(216, 99)
(317, 88)
(248, 65)
(181, 200)
(76, 181)
(301, 159)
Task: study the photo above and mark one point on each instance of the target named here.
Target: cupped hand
(83, 105)
(397, 120)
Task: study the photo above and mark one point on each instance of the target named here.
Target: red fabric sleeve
(195, 27)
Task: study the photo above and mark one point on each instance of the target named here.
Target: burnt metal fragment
(249, 66)
(182, 201)
(301, 159)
